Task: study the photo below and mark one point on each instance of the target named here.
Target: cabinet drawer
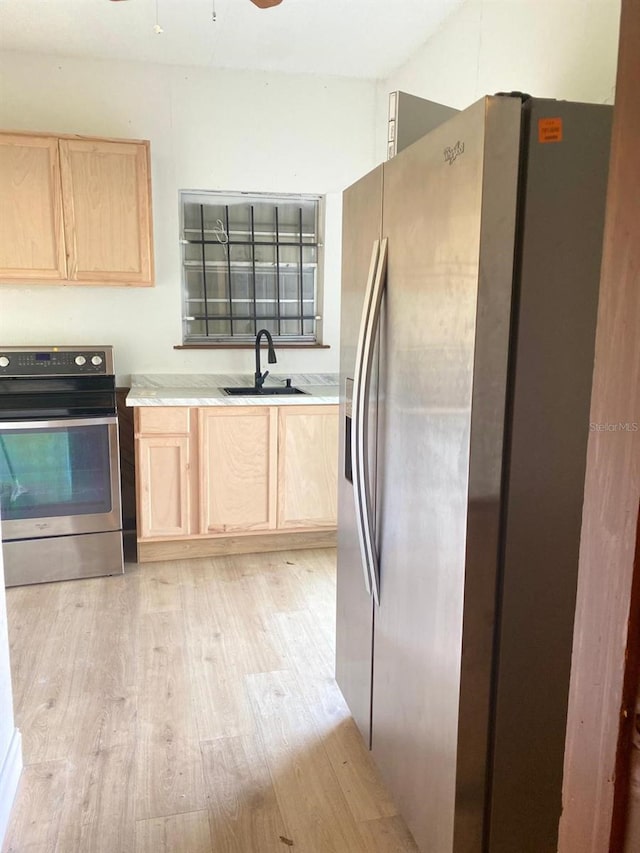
(163, 420)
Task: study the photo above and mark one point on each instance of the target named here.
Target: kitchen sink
(251, 391)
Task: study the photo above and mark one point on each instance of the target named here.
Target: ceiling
(352, 38)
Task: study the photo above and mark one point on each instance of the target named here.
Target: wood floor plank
(109, 703)
(306, 650)
(29, 610)
(50, 711)
(282, 588)
(222, 707)
(244, 811)
(161, 588)
(350, 758)
(193, 573)
(228, 636)
(314, 575)
(248, 638)
(36, 813)
(312, 661)
(180, 833)
(218, 567)
(387, 835)
(169, 777)
(98, 810)
(308, 793)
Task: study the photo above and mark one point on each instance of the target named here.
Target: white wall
(563, 49)
(271, 132)
(10, 747)
(209, 130)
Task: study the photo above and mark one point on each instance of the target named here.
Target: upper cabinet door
(107, 211)
(31, 238)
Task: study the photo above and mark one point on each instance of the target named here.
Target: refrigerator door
(436, 205)
(361, 226)
(559, 270)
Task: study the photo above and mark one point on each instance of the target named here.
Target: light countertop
(194, 389)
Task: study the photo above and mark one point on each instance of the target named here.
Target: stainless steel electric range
(59, 464)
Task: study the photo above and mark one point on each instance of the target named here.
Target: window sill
(247, 345)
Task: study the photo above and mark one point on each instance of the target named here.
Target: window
(250, 262)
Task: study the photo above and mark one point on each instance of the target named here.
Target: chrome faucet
(259, 376)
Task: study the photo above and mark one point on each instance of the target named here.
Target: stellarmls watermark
(628, 426)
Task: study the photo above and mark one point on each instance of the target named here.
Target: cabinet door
(163, 486)
(238, 454)
(308, 466)
(31, 238)
(107, 211)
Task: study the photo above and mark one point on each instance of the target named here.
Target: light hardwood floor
(190, 706)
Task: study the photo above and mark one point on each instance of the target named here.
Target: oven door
(59, 477)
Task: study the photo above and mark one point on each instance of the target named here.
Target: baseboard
(215, 546)
(9, 779)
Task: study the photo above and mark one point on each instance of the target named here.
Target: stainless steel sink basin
(251, 391)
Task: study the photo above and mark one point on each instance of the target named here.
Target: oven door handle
(58, 423)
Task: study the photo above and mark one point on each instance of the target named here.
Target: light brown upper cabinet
(107, 215)
(31, 237)
(93, 205)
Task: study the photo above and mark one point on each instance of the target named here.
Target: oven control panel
(56, 362)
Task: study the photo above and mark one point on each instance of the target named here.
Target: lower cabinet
(232, 479)
(307, 467)
(238, 450)
(164, 494)
(163, 484)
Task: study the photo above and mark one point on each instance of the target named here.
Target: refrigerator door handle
(360, 421)
(356, 418)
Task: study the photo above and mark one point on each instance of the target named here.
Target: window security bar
(239, 285)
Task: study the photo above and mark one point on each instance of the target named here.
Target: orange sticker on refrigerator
(550, 130)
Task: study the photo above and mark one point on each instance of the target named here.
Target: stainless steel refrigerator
(471, 264)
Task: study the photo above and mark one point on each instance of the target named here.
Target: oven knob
(96, 359)
(80, 360)
(4, 361)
